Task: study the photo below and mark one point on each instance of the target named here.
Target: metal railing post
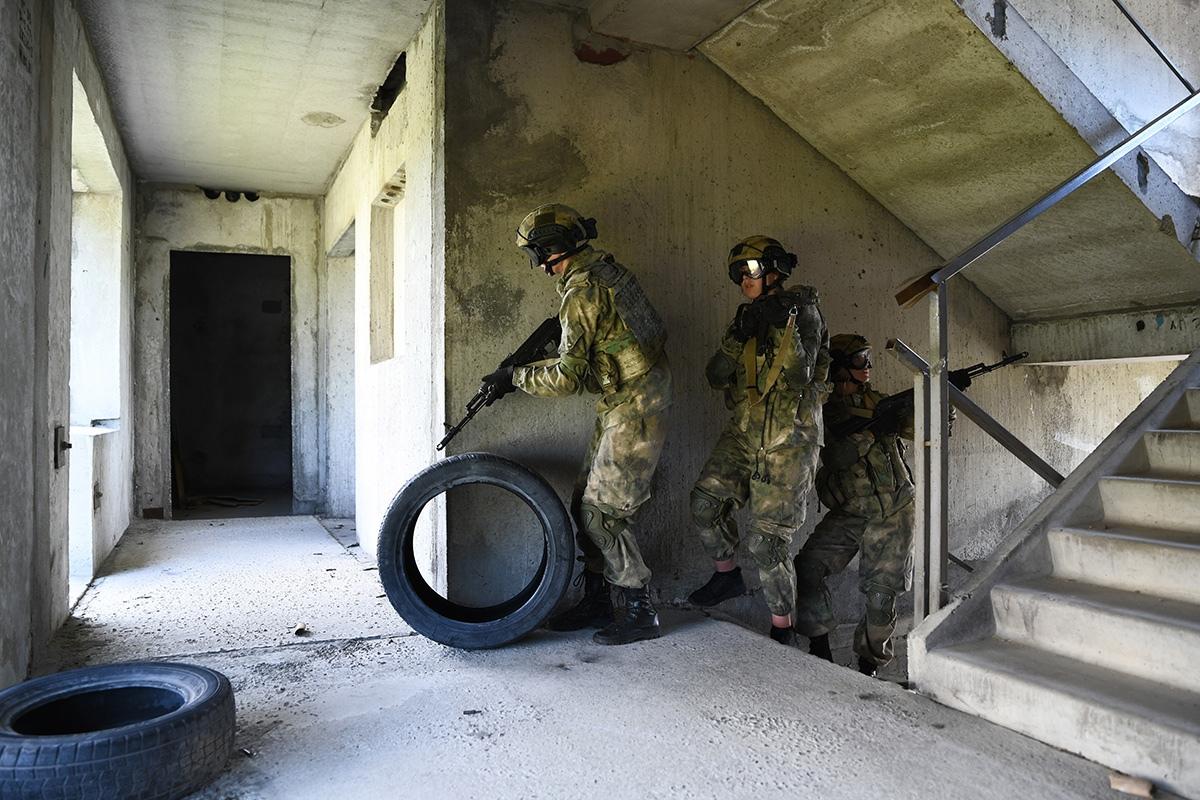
(939, 453)
(920, 466)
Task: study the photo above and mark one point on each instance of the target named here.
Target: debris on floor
(1127, 784)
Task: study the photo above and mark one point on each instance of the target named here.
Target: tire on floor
(144, 731)
(448, 622)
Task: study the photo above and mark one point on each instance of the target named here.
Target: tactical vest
(864, 473)
(633, 354)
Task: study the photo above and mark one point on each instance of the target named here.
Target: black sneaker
(819, 646)
(783, 635)
(721, 586)
(595, 610)
(867, 667)
(637, 621)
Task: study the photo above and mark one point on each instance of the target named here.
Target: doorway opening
(98, 469)
(231, 385)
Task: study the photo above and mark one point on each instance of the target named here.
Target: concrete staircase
(1085, 630)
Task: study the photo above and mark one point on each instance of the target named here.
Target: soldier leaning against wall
(772, 365)
(612, 344)
(866, 483)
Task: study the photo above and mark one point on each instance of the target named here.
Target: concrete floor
(363, 708)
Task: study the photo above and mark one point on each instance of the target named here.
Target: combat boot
(594, 610)
(785, 636)
(637, 621)
(721, 586)
(819, 646)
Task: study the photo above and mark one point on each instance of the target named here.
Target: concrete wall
(337, 342)
(398, 402)
(1170, 333)
(42, 48)
(20, 63)
(96, 307)
(184, 219)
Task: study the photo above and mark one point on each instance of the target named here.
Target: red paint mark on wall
(605, 58)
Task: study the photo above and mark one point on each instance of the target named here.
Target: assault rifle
(541, 344)
(893, 408)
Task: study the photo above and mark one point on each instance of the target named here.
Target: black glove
(745, 322)
(499, 382)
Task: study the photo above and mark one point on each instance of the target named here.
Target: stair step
(1159, 562)
(1186, 413)
(1144, 502)
(1139, 634)
(1173, 453)
(1127, 723)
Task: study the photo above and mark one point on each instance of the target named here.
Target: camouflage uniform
(768, 452)
(866, 483)
(600, 353)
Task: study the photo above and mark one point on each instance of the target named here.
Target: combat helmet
(757, 256)
(849, 351)
(552, 232)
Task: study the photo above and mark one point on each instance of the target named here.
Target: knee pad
(708, 511)
(881, 608)
(600, 527)
(768, 551)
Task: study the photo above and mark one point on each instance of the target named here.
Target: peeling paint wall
(184, 219)
(398, 401)
(41, 47)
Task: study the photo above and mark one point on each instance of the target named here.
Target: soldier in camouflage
(612, 345)
(868, 488)
(772, 366)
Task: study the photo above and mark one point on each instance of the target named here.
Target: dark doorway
(231, 385)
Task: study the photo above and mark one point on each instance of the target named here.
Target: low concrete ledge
(1163, 333)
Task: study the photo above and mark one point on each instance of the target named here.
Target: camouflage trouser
(613, 484)
(728, 481)
(883, 569)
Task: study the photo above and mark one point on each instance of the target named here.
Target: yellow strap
(750, 362)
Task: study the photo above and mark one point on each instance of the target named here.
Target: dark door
(231, 387)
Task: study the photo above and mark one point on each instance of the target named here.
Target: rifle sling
(750, 362)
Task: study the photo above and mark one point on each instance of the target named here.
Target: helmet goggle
(545, 242)
(860, 359)
(749, 268)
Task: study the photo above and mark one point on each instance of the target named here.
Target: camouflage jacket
(776, 391)
(864, 473)
(598, 351)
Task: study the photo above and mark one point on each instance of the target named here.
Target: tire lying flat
(469, 627)
(137, 731)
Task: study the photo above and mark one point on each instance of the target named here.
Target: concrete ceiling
(258, 95)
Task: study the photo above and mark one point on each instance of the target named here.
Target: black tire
(469, 627)
(137, 731)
